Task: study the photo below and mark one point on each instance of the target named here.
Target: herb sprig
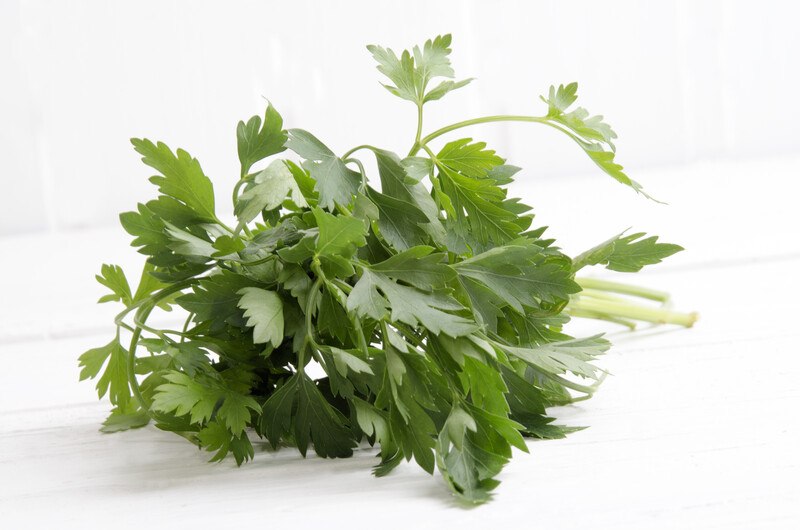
(432, 305)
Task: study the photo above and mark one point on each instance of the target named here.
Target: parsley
(434, 306)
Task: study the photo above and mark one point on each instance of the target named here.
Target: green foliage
(432, 304)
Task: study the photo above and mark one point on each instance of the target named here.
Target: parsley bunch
(423, 316)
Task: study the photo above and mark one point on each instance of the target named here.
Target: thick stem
(623, 288)
(581, 313)
(632, 312)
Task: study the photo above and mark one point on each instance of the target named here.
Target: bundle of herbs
(424, 317)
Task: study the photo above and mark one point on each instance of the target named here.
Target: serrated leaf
(419, 266)
(119, 420)
(591, 133)
(183, 395)
(264, 312)
(113, 277)
(408, 305)
(114, 379)
(235, 411)
(257, 140)
(573, 355)
(181, 178)
(270, 188)
(635, 251)
(520, 275)
(413, 70)
(338, 235)
(335, 182)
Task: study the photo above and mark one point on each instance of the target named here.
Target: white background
(697, 429)
(680, 81)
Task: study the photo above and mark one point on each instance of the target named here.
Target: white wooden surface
(696, 429)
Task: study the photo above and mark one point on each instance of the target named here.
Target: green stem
(581, 313)
(309, 338)
(236, 189)
(476, 121)
(361, 169)
(258, 261)
(632, 311)
(362, 340)
(358, 148)
(145, 308)
(134, 383)
(623, 288)
(416, 146)
(186, 325)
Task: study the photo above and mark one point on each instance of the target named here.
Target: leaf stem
(623, 288)
(632, 311)
(416, 146)
(582, 313)
(144, 309)
(361, 169)
(311, 301)
(357, 148)
(476, 121)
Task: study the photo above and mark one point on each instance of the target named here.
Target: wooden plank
(695, 437)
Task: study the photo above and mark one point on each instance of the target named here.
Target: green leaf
(189, 357)
(398, 182)
(470, 465)
(471, 160)
(416, 437)
(371, 420)
(335, 182)
(215, 437)
(591, 133)
(119, 420)
(114, 379)
(339, 238)
(300, 404)
(187, 244)
(413, 70)
(270, 188)
(519, 274)
(264, 312)
(276, 414)
(256, 141)
(324, 424)
(444, 88)
(182, 177)
(215, 299)
(347, 361)
(114, 278)
(235, 411)
(148, 284)
(573, 355)
(408, 305)
(338, 235)
(183, 395)
(399, 221)
(527, 403)
(628, 253)
(475, 203)
(417, 266)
